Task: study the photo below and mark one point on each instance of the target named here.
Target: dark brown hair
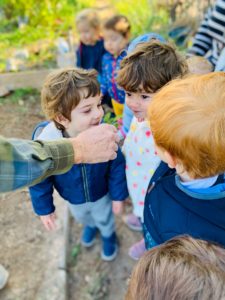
(150, 66)
(183, 268)
(118, 23)
(64, 89)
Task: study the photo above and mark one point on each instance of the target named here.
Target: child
(188, 124)
(91, 48)
(116, 32)
(127, 112)
(71, 99)
(142, 74)
(182, 268)
(199, 65)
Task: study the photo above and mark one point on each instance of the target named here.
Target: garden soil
(32, 255)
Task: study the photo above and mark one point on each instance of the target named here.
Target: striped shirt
(210, 37)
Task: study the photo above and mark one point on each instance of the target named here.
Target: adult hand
(97, 144)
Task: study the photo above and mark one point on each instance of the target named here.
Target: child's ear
(171, 160)
(62, 120)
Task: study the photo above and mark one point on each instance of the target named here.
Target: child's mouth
(137, 113)
(95, 124)
(139, 116)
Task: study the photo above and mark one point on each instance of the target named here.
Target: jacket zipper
(151, 187)
(85, 183)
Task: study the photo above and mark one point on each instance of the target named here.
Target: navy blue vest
(170, 212)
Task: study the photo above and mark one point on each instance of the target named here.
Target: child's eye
(144, 97)
(100, 105)
(87, 111)
(128, 94)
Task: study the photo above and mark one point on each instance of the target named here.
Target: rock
(65, 60)
(4, 275)
(14, 64)
(4, 91)
(22, 54)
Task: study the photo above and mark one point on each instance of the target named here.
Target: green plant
(143, 16)
(45, 20)
(110, 118)
(75, 252)
(20, 95)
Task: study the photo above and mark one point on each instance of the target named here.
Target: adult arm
(24, 162)
(202, 40)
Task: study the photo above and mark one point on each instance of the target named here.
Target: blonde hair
(64, 89)
(199, 65)
(182, 268)
(187, 119)
(89, 16)
(150, 66)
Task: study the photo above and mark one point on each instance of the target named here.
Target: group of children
(172, 169)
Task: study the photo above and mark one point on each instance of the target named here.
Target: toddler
(127, 112)
(186, 194)
(91, 48)
(143, 72)
(116, 33)
(71, 99)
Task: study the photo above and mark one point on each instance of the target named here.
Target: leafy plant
(142, 15)
(46, 20)
(110, 118)
(75, 252)
(43, 20)
(20, 95)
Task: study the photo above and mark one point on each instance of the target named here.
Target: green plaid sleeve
(24, 162)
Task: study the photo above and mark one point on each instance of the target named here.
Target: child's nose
(98, 114)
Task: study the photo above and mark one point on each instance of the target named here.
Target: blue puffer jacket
(172, 209)
(83, 183)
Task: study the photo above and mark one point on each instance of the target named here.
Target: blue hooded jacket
(83, 183)
(171, 209)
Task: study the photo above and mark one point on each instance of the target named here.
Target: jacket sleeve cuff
(61, 154)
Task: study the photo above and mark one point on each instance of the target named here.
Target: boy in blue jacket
(71, 99)
(187, 194)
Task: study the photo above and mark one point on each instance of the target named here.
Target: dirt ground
(31, 254)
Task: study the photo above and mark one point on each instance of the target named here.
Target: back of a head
(182, 268)
(187, 119)
(150, 66)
